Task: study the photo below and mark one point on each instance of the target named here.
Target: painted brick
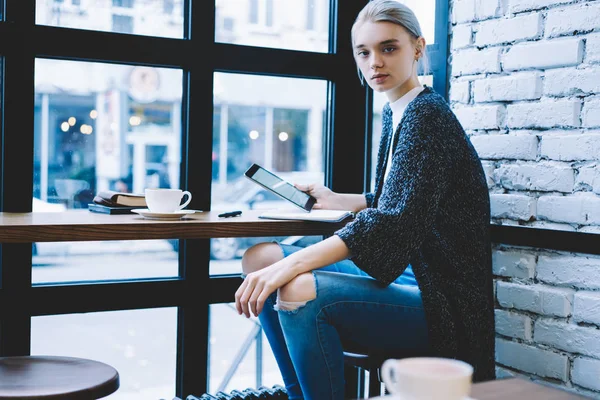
(531, 359)
(460, 91)
(589, 176)
(463, 11)
(474, 61)
(590, 115)
(514, 264)
(515, 147)
(586, 373)
(571, 147)
(513, 206)
(592, 45)
(508, 30)
(523, 86)
(488, 169)
(461, 36)
(526, 5)
(577, 271)
(513, 325)
(543, 54)
(545, 177)
(552, 225)
(569, 20)
(581, 209)
(544, 114)
(567, 337)
(586, 307)
(540, 299)
(489, 8)
(571, 81)
(480, 117)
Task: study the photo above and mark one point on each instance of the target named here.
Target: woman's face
(385, 54)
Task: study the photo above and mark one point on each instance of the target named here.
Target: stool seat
(53, 377)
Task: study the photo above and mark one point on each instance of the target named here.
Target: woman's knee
(260, 256)
(297, 292)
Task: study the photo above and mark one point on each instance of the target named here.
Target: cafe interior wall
(525, 84)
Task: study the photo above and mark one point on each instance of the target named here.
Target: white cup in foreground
(427, 378)
(166, 200)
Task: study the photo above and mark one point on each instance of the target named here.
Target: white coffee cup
(166, 200)
(427, 378)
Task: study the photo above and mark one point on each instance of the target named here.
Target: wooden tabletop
(50, 377)
(517, 389)
(83, 225)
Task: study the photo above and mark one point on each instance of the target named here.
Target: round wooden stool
(50, 378)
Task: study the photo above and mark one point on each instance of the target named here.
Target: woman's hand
(258, 286)
(330, 200)
(326, 198)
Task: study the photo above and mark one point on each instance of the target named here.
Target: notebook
(314, 215)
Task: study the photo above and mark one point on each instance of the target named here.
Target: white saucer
(146, 213)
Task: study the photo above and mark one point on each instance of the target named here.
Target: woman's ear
(419, 47)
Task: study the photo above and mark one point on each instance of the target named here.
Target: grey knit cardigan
(433, 212)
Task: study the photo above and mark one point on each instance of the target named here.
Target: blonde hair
(396, 13)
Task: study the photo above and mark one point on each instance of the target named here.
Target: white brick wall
(567, 20)
(504, 30)
(593, 49)
(515, 264)
(510, 147)
(544, 114)
(523, 86)
(538, 177)
(571, 148)
(568, 337)
(580, 209)
(591, 113)
(544, 54)
(586, 307)
(539, 299)
(482, 117)
(526, 5)
(473, 61)
(514, 325)
(513, 206)
(576, 271)
(586, 373)
(525, 83)
(571, 81)
(531, 359)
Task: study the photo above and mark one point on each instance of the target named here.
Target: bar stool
(359, 363)
(54, 378)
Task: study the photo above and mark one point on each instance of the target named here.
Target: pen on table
(230, 214)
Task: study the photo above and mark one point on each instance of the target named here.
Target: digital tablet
(282, 188)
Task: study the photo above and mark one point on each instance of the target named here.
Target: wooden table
(83, 225)
(517, 389)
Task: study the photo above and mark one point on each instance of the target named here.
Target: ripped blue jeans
(351, 312)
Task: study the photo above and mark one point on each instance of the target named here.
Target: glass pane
(240, 355)
(162, 18)
(296, 25)
(379, 100)
(140, 344)
(103, 127)
(425, 12)
(281, 130)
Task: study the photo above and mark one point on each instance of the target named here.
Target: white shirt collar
(400, 105)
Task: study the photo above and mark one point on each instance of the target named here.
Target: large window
(130, 94)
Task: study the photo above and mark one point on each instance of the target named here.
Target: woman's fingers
(256, 292)
(260, 303)
(238, 296)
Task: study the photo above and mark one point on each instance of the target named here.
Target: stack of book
(111, 202)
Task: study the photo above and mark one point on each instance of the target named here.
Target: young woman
(412, 273)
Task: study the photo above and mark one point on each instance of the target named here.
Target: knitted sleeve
(383, 240)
